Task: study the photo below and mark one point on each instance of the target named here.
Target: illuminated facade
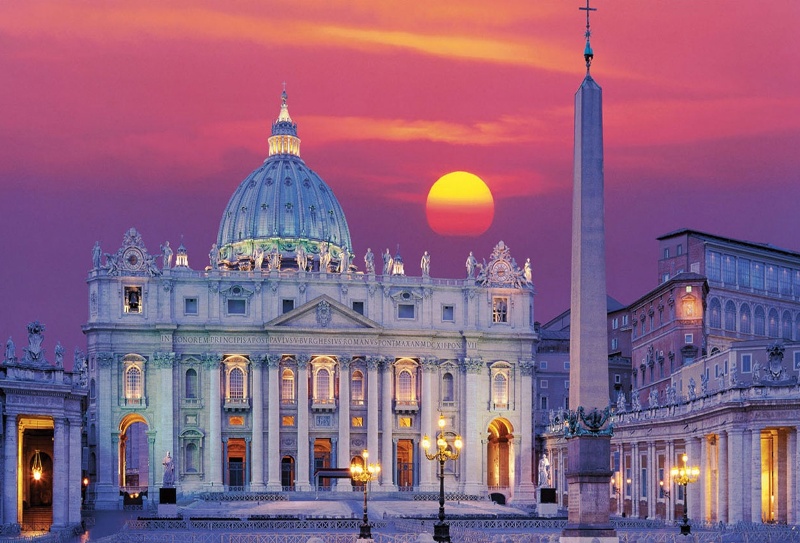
(41, 436)
(282, 357)
(716, 363)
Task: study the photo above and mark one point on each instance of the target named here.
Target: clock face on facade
(501, 271)
(133, 258)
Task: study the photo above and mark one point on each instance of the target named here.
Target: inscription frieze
(301, 341)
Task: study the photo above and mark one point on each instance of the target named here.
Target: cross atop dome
(588, 54)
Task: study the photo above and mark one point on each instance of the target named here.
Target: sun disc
(459, 204)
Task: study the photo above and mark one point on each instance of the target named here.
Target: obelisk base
(588, 476)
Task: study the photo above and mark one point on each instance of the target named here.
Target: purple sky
(149, 115)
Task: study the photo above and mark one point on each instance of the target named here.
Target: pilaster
(303, 477)
(387, 428)
(373, 411)
(343, 450)
(257, 436)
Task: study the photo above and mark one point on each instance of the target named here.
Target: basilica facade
(282, 359)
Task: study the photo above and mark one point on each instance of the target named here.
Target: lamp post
(443, 452)
(364, 473)
(683, 476)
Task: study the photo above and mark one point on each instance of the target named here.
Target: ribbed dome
(282, 204)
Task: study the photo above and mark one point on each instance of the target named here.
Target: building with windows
(715, 368)
(281, 357)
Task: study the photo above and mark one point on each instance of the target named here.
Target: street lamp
(665, 493)
(364, 473)
(683, 476)
(443, 452)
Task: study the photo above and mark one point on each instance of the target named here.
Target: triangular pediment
(323, 312)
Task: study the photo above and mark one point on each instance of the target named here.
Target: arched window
(236, 384)
(786, 326)
(744, 319)
(191, 458)
(404, 390)
(357, 388)
(191, 383)
(773, 323)
(133, 383)
(447, 387)
(730, 316)
(287, 386)
(714, 314)
(92, 390)
(500, 391)
(759, 320)
(323, 385)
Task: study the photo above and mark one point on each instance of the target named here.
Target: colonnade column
(61, 472)
(755, 475)
(387, 415)
(734, 476)
(303, 446)
(560, 483)
(473, 435)
(652, 480)
(791, 468)
(704, 481)
(373, 364)
(256, 456)
(74, 477)
(273, 424)
(10, 472)
(429, 369)
(524, 437)
(634, 480)
(214, 441)
(343, 448)
(669, 486)
(722, 477)
(694, 490)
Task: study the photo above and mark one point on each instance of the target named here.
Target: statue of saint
(301, 258)
(471, 263)
(169, 471)
(96, 254)
(213, 257)
(369, 261)
(324, 258)
(344, 263)
(258, 258)
(526, 271)
(387, 262)
(10, 349)
(166, 256)
(425, 264)
(59, 355)
(544, 471)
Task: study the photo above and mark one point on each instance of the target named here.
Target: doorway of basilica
(500, 456)
(134, 458)
(37, 477)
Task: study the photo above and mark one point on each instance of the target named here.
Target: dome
(282, 206)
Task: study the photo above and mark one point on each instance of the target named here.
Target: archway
(37, 476)
(134, 455)
(287, 473)
(500, 456)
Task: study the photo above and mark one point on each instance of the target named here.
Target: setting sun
(460, 204)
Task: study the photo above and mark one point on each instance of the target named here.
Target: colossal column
(214, 444)
(343, 443)
(373, 410)
(273, 423)
(524, 441)
(387, 428)
(430, 366)
(257, 440)
(589, 444)
(303, 460)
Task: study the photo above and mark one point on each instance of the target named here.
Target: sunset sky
(150, 113)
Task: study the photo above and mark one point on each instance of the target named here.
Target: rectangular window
(714, 266)
(665, 277)
(744, 272)
(499, 309)
(688, 339)
(666, 252)
(757, 275)
(237, 307)
(133, 300)
(543, 403)
(797, 360)
(544, 383)
(729, 269)
(785, 281)
(614, 344)
(624, 320)
(772, 279)
(680, 249)
(566, 365)
(543, 365)
(357, 422)
(287, 420)
(644, 481)
(615, 323)
(358, 307)
(405, 422)
(190, 306)
(287, 305)
(796, 282)
(566, 385)
(617, 379)
(716, 370)
(448, 313)
(405, 311)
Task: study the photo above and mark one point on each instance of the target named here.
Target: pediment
(323, 312)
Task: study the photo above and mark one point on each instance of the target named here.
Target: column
(635, 480)
(214, 438)
(704, 481)
(694, 490)
(791, 462)
(273, 424)
(430, 368)
(722, 477)
(302, 461)
(10, 474)
(107, 484)
(523, 439)
(373, 410)
(652, 481)
(225, 473)
(60, 472)
(256, 455)
(74, 479)
(735, 475)
(472, 433)
(161, 398)
(669, 486)
(343, 447)
(387, 428)
(755, 475)
(560, 483)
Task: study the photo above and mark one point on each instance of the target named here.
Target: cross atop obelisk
(588, 431)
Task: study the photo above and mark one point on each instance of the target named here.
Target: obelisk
(588, 433)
